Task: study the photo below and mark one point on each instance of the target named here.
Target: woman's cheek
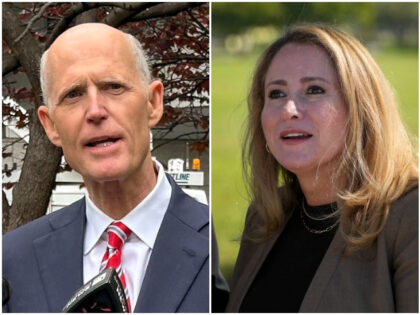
(270, 121)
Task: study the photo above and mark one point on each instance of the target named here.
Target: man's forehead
(90, 49)
(87, 29)
(89, 38)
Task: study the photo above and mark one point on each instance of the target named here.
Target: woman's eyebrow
(309, 79)
(302, 80)
(278, 82)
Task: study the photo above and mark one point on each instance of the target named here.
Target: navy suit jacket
(43, 260)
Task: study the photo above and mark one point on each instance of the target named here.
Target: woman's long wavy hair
(378, 163)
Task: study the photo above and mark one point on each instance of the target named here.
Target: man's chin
(103, 176)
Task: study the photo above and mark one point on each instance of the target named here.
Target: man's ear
(49, 125)
(155, 103)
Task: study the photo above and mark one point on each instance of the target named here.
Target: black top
(281, 283)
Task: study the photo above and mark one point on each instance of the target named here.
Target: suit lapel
(323, 275)
(59, 256)
(179, 253)
(253, 265)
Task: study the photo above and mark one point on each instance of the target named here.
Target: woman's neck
(319, 189)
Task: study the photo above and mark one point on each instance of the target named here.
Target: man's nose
(291, 110)
(96, 110)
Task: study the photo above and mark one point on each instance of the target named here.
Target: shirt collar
(144, 220)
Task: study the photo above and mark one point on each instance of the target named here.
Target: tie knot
(118, 233)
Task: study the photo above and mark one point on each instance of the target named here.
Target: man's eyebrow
(107, 80)
(66, 90)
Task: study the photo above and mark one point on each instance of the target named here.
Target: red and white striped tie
(117, 235)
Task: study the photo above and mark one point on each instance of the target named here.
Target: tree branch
(200, 25)
(36, 17)
(118, 15)
(166, 62)
(88, 16)
(129, 6)
(164, 9)
(178, 137)
(10, 63)
(32, 192)
(27, 50)
(5, 146)
(64, 23)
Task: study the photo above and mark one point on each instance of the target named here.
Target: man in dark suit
(100, 104)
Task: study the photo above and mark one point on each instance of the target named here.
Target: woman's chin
(305, 170)
(298, 165)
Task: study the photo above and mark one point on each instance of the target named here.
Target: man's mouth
(102, 142)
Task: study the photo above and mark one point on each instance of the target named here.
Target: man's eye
(73, 94)
(273, 94)
(114, 88)
(315, 90)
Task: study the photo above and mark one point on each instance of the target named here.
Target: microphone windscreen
(102, 294)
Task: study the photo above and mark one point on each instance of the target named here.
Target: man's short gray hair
(139, 55)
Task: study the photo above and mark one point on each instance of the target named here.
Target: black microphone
(5, 290)
(102, 294)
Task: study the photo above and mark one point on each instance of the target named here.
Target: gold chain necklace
(311, 217)
(302, 212)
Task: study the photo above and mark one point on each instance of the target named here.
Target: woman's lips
(295, 137)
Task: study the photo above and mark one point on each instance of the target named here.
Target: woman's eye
(315, 90)
(273, 94)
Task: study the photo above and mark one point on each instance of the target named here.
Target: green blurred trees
(400, 19)
(361, 18)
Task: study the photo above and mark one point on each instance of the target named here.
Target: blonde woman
(341, 234)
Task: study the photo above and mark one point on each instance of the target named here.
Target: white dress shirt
(144, 221)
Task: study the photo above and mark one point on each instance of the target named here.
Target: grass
(230, 80)
(231, 76)
(401, 70)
